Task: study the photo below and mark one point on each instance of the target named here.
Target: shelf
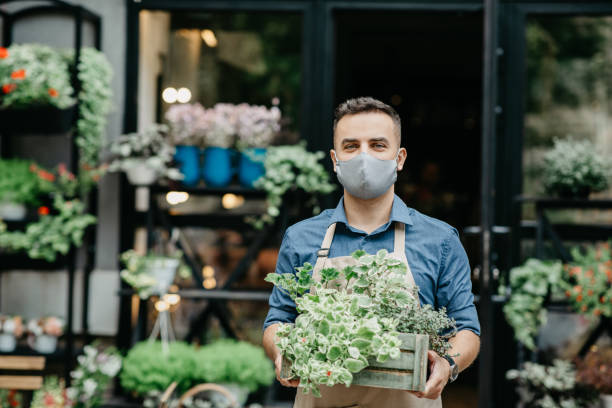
(570, 231)
(57, 355)
(204, 191)
(203, 294)
(552, 202)
(20, 261)
(219, 220)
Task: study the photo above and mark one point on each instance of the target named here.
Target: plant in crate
(187, 126)
(291, 168)
(575, 168)
(595, 370)
(152, 274)
(11, 329)
(338, 333)
(541, 386)
(52, 394)
(144, 156)
(256, 128)
(94, 373)
(44, 332)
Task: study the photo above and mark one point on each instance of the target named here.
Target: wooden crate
(408, 372)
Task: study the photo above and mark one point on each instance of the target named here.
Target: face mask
(365, 176)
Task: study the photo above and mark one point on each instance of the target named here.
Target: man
(367, 154)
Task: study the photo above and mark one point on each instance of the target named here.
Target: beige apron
(339, 396)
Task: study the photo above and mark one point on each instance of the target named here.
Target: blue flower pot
(217, 170)
(251, 166)
(189, 160)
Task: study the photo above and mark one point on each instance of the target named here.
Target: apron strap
(323, 252)
(399, 242)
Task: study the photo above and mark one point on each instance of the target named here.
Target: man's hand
(439, 369)
(287, 383)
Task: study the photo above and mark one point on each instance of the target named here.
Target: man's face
(369, 132)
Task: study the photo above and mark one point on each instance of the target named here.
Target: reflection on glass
(221, 57)
(569, 94)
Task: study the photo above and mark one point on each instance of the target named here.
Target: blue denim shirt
(434, 252)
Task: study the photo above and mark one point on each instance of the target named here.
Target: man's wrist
(453, 368)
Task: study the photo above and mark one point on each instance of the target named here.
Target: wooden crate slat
(20, 382)
(406, 359)
(370, 377)
(22, 363)
(408, 340)
(420, 366)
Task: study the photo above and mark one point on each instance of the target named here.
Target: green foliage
(529, 284)
(146, 368)
(337, 331)
(229, 361)
(588, 279)
(44, 70)
(51, 234)
(574, 167)
(51, 395)
(291, 168)
(553, 386)
(18, 183)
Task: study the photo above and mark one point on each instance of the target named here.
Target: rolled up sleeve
(282, 307)
(455, 285)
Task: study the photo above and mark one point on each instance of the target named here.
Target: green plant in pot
(152, 274)
(595, 370)
(575, 168)
(19, 187)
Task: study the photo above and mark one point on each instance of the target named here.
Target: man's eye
(350, 146)
(379, 146)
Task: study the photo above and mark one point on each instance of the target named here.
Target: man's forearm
(269, 342)
(467, 344)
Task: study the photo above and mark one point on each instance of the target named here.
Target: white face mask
(364, 176)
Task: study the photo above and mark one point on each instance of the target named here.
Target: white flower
(76, 374)
(89, 387)
(111, 367)
(72, 393)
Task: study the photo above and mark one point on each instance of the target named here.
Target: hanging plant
(291, 168)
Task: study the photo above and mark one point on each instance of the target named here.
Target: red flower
(590, 292)
(579, 298)
(303, 339)
(568, 293)
(42, 210)
(577, 288)
(33, 167)
(3, 52)
(328, 373)
(49, 400)
(53, 92)
(8, 88)
(61, 168)
(14, 402)
(45, 175)
(19, 74)
(602, 299)
(596, 312)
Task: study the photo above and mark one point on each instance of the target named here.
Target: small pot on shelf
(44, 344)
(11, 211)
(605, 400)
(217, 170)
(164, 271)
(8, 342)
(141, 175)
(251, 166)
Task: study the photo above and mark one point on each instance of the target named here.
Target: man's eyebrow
(374, 139)
(346, 140)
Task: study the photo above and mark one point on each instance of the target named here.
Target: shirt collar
(399, 212)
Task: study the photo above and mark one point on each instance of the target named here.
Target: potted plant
(95, 371)
(144, 156)
(219, 126)
(588, 279)
(238, 366)
(375, 324)
(19, 186)
(574, 168)
(550, 386)
(152, 274)
(44, 332)
(52, 394)
(11, 329)
(11, 398)
(291, 168)
(595, 370)
(35, 82)
(256, 127)
(186, 129)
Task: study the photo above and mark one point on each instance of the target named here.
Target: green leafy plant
(291, 168)
(529, 285)
(94, 373)
(51, 395)
(19, 183)
(52, 234)
(338, 331)
(575, 168)
(229, 361)
(553, 386)
(595, 369)
(11, 398)
(588, 279)
(137, 270)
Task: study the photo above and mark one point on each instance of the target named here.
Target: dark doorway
(428, 66)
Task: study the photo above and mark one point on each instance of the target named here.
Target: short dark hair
(365, 104)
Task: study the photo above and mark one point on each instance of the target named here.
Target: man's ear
(332, 155)
(401, 158)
